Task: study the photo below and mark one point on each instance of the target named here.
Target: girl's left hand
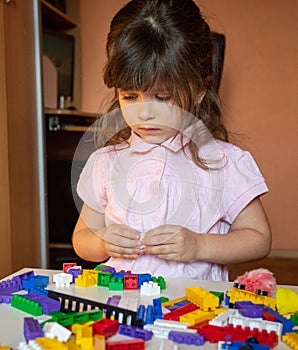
(171, 242)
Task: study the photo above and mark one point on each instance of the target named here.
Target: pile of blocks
(57, 320)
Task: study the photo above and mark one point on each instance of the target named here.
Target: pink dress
(144, 185)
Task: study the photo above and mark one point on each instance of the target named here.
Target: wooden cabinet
(64, 130)
(62, 44)
(53, 18)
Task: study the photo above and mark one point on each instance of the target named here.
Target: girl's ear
(201, 96)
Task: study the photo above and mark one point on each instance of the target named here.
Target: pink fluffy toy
(258, 279)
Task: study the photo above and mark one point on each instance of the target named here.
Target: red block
(175, 314)
(134, 344)
(130, 282)
(105, 327)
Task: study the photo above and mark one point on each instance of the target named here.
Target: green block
(76, 317)
(160, 282)
(220, 295)
(116, 284)
(103, 279)
(30, 306)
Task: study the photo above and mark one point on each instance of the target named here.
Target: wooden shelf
(53, 18)
(70, 112)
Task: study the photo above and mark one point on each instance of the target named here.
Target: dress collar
(175, 143)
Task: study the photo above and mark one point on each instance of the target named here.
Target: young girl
(168, 194)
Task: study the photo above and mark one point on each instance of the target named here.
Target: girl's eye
(130, 97)
(163, 98)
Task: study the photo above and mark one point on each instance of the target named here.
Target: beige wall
(259, 89)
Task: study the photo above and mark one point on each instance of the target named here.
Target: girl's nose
(146, 111)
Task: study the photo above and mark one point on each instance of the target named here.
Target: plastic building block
(157, 309)
(141, 314)
(10, 286)
(62, 279)
(294, 318)
(99, 342)
(38, 290)
(5, 298)
(215, 334)
(135, 332)
(220, 295)
(172, 302)
(202, 298)
(114, 300)
(84, 335)
(143, 277)
(236, 294)
(47, 304)
(162, 330)
(36, 282)
(291, 339)
(222, 319)
(287, 324)
(86, 279)
(55, 330)
(26, 305)
(160, 282)
(197, 316)
(75, 317)
(116, 283)
(68, 302)
(186, 338)
(134, 344)
(75, 273)
(236, 345)
(248, 309)
(253, 323)
(176, 313)
(105, 327)
(67, 266)
(105, 268)
(47, 343)
(149, 315)
(32, 329)
(131, 282)
(150, 288)
(104, 278)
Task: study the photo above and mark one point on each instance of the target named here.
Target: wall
(259, 89)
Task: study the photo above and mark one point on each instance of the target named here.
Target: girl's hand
(120, 241)
(171, 242)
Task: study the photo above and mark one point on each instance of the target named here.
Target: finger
(120, 252)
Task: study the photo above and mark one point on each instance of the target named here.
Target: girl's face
(152, 114)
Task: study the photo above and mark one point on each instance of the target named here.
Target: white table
(11, 319)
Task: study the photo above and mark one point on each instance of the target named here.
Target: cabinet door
(23, 237)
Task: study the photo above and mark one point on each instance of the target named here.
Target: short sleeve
(91, 184)
(243, 182)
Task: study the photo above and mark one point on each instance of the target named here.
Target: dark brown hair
(165, 43)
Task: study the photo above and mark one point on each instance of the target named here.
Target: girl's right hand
(120, 241)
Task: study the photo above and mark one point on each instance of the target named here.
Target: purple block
(108, 269)
(114, 300)
(47, 304)
(32, 329)
(6, 298)
(186, 338)
(135, 332)
(75, 273)
(248, 309)
(10, 286)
